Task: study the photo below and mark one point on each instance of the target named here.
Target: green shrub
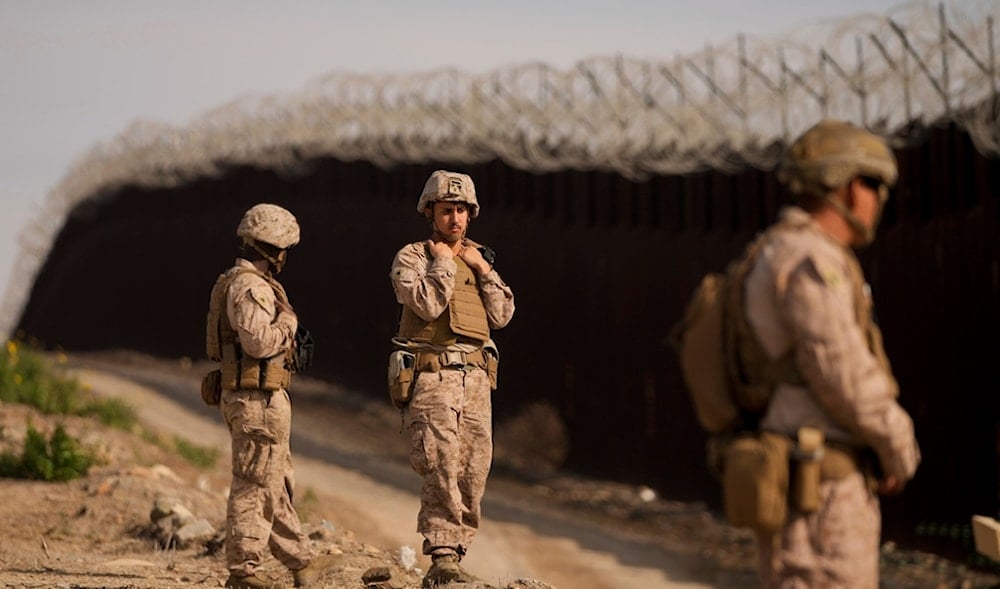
(112, 412)
(201, 456)
(57, 459)
(27, 377)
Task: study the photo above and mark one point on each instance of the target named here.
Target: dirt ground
(356, 497)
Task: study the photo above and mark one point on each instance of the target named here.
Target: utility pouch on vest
(401, 377)
(755, 482)
(249, 375)
(211, 387)
(230, 367)
(265, 375)
(276, 375)
(808, 457)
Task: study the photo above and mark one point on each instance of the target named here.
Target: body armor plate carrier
(240, 371)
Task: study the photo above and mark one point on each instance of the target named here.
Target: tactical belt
(435, 361)
(840, 460)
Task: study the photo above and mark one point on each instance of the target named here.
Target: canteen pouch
(401, 377)
(492, 355)
(211, 388)
(808, 456)
(755, 482)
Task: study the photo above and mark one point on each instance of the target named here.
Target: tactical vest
(864, 309)
(465, 316)
(756, 375)
(240, 371)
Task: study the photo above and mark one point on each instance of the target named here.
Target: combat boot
(445, 569)
(316, 569)
(251, 582)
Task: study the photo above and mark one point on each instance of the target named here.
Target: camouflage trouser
(450, 426)
(260, 513)
(838, 546)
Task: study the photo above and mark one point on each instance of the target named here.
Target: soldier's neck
(455, 246)
(262, 266)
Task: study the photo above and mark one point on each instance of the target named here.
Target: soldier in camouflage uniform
(807, 301)
(451, 297)
(251, 330)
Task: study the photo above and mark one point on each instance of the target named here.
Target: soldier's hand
(475, 260)
(284, 308)
(439, 249)
(890, 485)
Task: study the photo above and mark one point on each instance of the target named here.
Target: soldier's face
(867, 204)
(451, 219)
(869, 201)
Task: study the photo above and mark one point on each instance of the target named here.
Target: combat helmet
(270, 224)
(829, 155)
(445, 186)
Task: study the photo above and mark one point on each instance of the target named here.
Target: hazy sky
(75, 73)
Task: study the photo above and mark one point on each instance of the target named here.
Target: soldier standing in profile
(444, 368)
(251, 331)
(810, 310)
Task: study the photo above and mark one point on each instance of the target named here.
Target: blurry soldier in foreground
(251, 332)
(808, 305)
(445, 366)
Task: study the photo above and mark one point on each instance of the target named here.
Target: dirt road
(351, 450)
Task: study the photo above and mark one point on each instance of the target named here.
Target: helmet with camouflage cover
(445, 186)
(270, 224)
(830, 154)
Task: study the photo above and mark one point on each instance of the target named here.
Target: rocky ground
(97, 532)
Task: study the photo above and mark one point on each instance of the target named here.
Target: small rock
(162, 471)
(193, 531)
(376, 575)
(181, 515)
(528, 584)
(163, 507)
(407, 557)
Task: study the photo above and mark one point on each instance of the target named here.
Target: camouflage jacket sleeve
(423, 284)
(262, 331)
(497, 298)
(839, 367)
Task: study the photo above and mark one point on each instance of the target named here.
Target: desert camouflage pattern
(835, 547)
(449, 419)
(449, 422)
(425, 285)
(802, 292)
(259, 514)
(271, 224)
(451, 187)
(250, 303)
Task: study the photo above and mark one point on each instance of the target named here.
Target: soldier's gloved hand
(439, 249)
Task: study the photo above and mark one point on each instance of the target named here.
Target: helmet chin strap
(276, 262)
(865, 233)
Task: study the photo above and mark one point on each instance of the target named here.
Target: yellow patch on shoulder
(260, 299)
(832, 277)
